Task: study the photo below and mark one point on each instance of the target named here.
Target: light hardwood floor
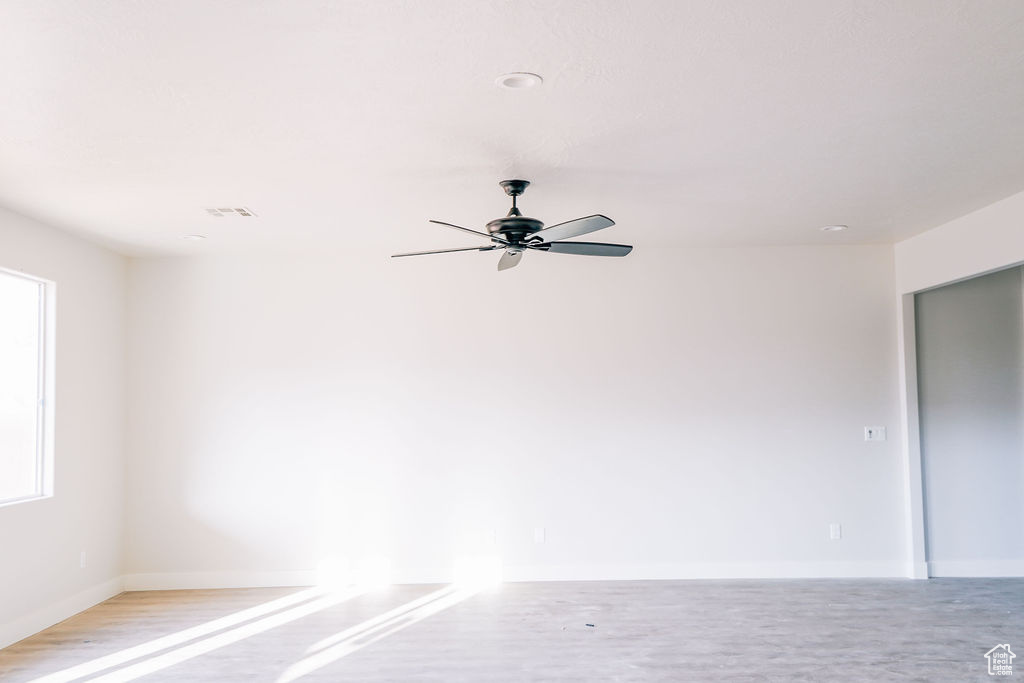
(821, 630)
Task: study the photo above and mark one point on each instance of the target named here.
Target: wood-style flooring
(782, 630)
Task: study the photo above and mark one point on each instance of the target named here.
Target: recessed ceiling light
(518, 80)
(834, 228)
(195, 237)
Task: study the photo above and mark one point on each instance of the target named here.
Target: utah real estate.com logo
(1000, 660)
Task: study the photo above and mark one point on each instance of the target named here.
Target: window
(25, 382)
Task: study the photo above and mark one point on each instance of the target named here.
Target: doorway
(970, 370)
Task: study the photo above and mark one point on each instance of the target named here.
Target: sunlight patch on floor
(472, 574)
(201, 647)
(171, 640)
(239, 626)
(350, 640)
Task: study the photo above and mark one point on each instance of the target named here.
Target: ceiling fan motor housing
(514, 228)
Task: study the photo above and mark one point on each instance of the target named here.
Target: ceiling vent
(243, 211)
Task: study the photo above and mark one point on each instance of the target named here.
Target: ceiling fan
(516, 233)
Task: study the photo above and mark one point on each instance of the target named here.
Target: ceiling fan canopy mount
(514, 188)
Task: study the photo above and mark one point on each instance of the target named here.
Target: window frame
(44, 452)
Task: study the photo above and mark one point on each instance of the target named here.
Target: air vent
(243, 211)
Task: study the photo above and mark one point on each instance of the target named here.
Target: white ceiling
(691, 123)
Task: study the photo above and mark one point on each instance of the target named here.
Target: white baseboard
(35, 621)
(976, 568)
(707, 570)
(519, 573)
(224, 579)
(917, 570)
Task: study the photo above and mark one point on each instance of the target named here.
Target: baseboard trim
(45, 617)
(522, 573)
(223, 579)
(917, 570)
(976, 568)
(708, 570)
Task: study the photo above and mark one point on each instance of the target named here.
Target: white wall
(676, 413)
(986, 240)
(40, 540)
(970, 359)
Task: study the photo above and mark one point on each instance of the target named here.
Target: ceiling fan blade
(585, 248)
(509, 260)
(574, 228)
(447, 251)
(472, 232)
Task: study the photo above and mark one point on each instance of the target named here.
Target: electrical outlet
(539, 536)
(81, 560)
(874, 433)
(835, 531)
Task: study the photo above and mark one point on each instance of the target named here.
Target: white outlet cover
(539, 535)
(874, 433)
(835, 531)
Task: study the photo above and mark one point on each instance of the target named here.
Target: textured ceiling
(689, 123)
